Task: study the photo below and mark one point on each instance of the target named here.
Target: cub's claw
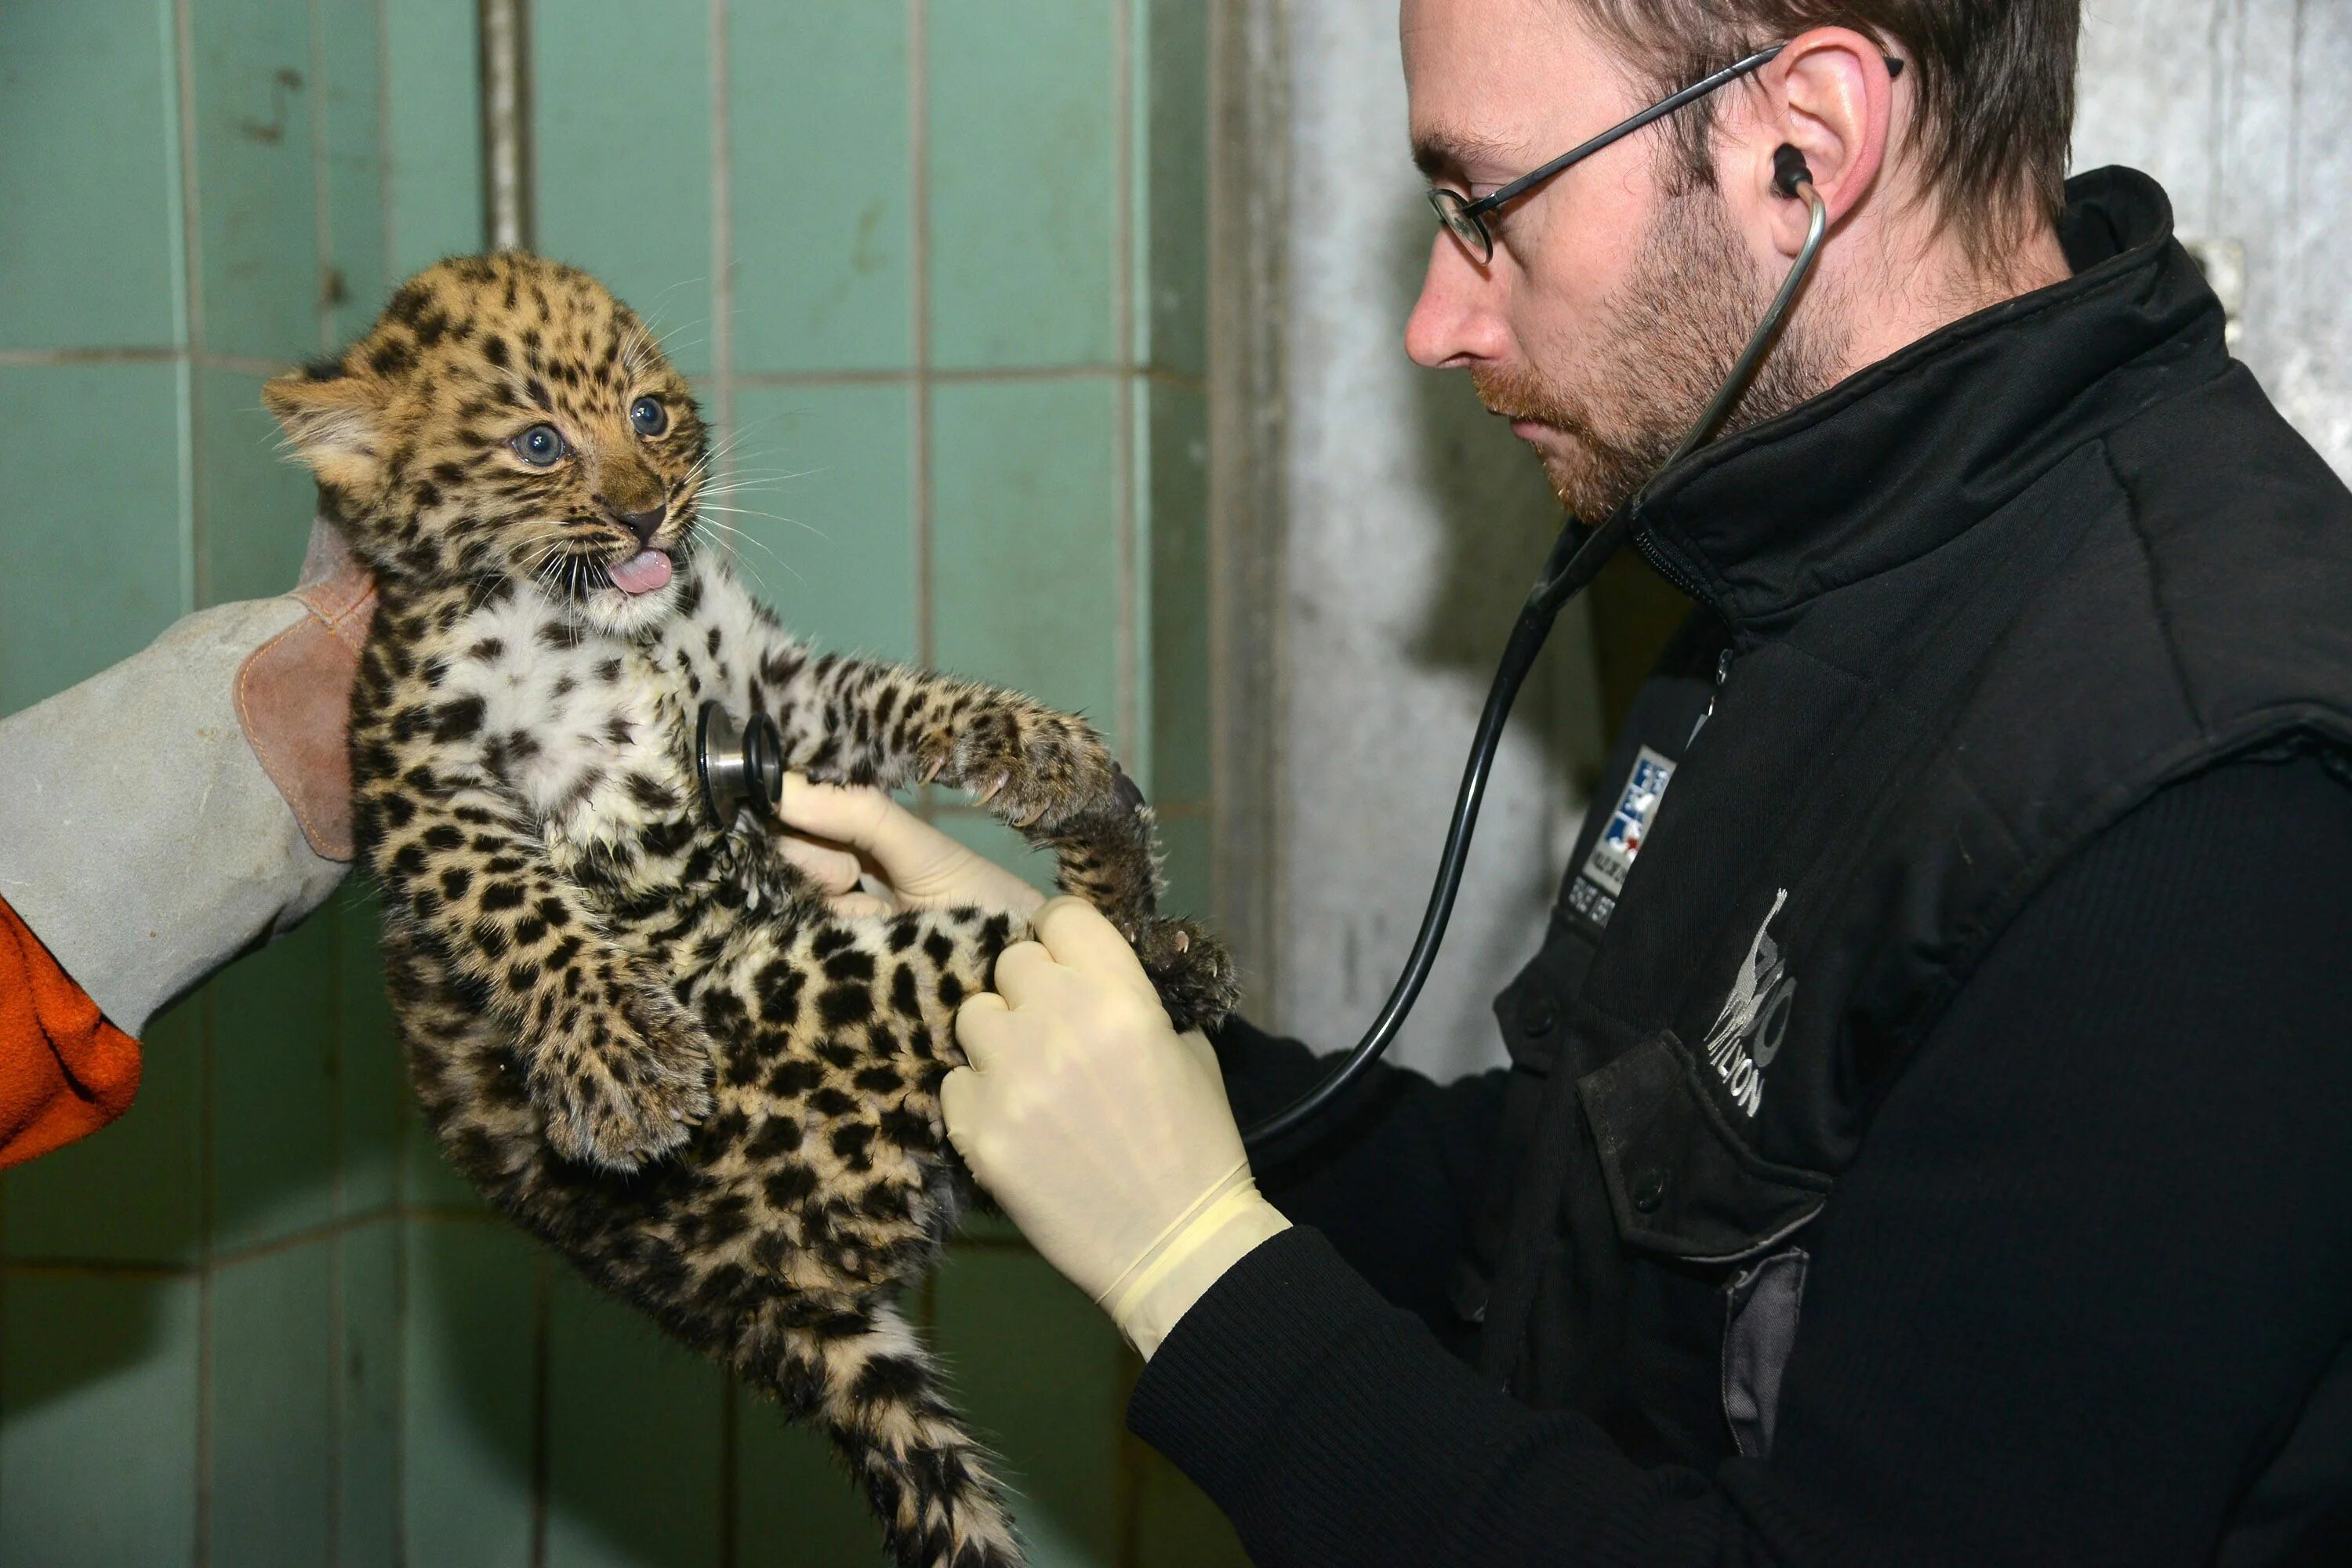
(1032, 768)
(1124, 790)
(1192, 971)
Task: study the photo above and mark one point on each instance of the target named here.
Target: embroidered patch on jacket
(1745, 1036)
(1602, 881)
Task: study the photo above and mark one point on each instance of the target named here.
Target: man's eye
(540, 446)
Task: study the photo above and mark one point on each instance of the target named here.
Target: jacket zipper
(1669, 568)
(1722, 674)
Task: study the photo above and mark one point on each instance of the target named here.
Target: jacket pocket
(1680, 1181)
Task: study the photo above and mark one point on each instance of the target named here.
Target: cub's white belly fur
(586, 726)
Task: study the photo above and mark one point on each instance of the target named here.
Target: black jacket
(1924, 1134)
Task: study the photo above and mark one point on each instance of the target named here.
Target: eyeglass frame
(1456, 211)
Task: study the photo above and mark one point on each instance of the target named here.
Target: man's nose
(1453, 322)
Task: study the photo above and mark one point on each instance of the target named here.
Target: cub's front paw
(1031, 766)
(624, 1084)
(1191, 970)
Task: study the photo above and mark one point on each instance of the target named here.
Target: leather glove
(171, 812)
(1104, 1134)
(875, 856)
(294, 692)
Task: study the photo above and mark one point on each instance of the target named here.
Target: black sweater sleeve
(1390, 1178)
(2063, 1306)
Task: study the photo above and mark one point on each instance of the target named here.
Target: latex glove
(143, 836)
(874, 856)
(1104, 1134)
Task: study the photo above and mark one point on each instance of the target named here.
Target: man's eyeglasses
(1466, 219)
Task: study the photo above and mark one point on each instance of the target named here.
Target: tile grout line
(107, 1268)
(400, 1363)
(542, 1440)
(100, 1268)
(730, 1442)
(919, 130)
(134, 353)
(384, 165)
(321, 224)
(309, 1235)
(722, 227)
(197, 555)
(337, 1322)
(189, 297)
(205, 1196)
(1126, 516)
(176, 228)
(1130, 461)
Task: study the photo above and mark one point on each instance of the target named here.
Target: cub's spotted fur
(645, 1034)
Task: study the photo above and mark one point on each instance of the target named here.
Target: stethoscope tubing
(1576, 559)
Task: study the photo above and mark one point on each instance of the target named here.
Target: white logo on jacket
(1745, 1036)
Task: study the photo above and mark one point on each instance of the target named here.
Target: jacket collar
(1904, 456)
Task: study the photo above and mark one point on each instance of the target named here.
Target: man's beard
(1675, 327)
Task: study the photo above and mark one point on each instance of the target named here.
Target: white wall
(1415, 521)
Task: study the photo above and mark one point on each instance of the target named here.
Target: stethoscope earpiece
(737, 764)
(1789, 171)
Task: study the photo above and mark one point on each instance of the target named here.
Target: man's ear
(333, 421)
(1832, 98)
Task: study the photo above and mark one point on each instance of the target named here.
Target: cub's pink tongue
(641, 573)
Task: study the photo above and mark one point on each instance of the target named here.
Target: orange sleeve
(65, 1071)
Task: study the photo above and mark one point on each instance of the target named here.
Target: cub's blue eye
(650, 416)
(540, 446)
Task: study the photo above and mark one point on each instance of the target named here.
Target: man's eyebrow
(1442, 154)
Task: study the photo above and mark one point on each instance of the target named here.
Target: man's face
(1619, 294)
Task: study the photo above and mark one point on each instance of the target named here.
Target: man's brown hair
(1995, 81)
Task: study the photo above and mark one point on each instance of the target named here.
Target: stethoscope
(741, 765)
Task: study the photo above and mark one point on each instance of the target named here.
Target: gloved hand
(1104, 1134)
(875, 856)
(171, 811)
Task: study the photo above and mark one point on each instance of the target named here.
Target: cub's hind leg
(469, 1078)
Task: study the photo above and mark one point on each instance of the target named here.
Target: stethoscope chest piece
(738, 764)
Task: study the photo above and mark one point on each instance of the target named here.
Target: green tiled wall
(938, 269)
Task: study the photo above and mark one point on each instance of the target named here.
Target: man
(1926, 1135)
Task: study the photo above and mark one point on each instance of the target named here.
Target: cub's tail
(873, 1388)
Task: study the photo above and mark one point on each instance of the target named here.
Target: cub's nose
(643, 523)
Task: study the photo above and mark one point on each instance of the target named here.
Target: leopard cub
(644, 1033)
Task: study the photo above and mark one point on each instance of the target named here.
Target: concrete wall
(1414, 522)
(2242, 108)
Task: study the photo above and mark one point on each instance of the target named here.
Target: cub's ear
(333, 423)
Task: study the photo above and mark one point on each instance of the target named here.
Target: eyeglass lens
(1454, 212)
